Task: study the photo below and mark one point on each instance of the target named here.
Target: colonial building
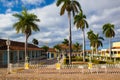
(17, 53)
(115, 51)
(51, 54)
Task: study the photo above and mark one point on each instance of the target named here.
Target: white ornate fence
(69, 69)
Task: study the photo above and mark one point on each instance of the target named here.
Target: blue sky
(16, 5)
(53, 27)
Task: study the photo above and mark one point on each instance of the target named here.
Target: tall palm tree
(81, 23)
(108, 30)
(91, 34)
(35, 41)
(96, 41)
(26, 24)
(69, 6)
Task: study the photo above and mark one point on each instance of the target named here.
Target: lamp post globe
(8, 42)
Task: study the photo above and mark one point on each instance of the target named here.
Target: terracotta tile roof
(51, 50)
(17, 45)
(115, 47)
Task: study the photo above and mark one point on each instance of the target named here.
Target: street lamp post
(8, 54)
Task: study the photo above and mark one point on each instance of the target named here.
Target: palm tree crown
(80, 21)
(26, 22)
(108, 30)
(66, 42)
(96, 40)
(68, 5)
(77, 47)
(90, 34)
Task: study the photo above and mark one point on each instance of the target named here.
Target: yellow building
(51, 54)
(115, 51)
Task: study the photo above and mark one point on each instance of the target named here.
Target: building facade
(115, 51)
(17, 53)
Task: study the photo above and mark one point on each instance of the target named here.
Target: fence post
(81, 67)
(58, 66)
(10, 68)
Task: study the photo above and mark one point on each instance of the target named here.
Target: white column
(117, 54)
(113, 54)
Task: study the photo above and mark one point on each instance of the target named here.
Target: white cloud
(8, 10)
(6, 20)
(54, 28)
(33, 2)
(9, 3)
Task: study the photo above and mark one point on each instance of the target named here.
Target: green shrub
(95, 61)
(77, 58)
(110, 62)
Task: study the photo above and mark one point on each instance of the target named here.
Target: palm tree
(26, 24)
(77, 46)
(90, 34)
(81, 23)
(96, 41)
(108, 30)
(35, 41)
(69, 6)
(66, 42)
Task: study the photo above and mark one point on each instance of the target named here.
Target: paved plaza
(56, 75)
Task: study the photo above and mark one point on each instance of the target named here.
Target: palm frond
(58, 3)
(78, 5)
(62, 11)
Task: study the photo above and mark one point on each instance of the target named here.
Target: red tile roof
(51, 50)
(17, 45)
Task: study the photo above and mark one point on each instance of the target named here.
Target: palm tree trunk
(110, 48)
(96, 50)
(83, 45)
(26, 55)
(70, 41)
(92, 51)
